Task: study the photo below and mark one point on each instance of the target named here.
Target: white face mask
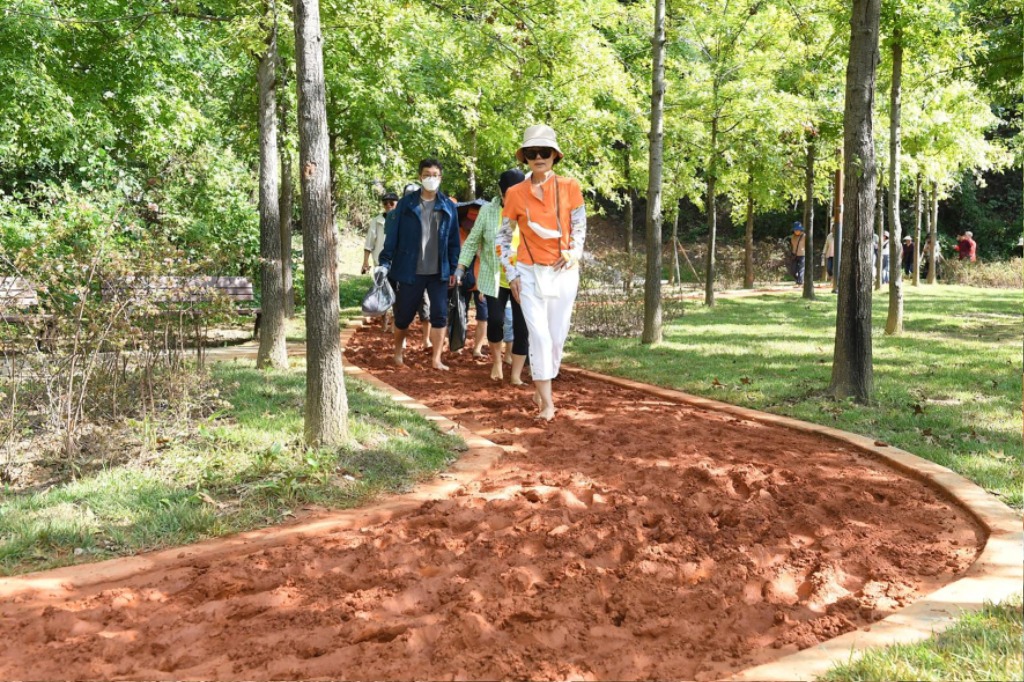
(431, 183)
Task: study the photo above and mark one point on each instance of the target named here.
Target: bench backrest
(17, 292)
(180, 289)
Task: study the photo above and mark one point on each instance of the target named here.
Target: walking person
(545, 277)
(375, 232)
(828, 254)
(375, 242)
(492, 282)
(421, 252)
(797, 247)
(907, 256)
(885, 257)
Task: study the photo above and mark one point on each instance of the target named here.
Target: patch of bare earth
(631, 538)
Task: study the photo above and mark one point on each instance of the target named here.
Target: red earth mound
(632, 537)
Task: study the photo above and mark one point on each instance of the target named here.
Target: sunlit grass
(987, 645)
(948, 389)
(243, 468)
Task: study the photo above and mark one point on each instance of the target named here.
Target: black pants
(496, 322)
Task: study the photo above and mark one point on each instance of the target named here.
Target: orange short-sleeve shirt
(519, 198)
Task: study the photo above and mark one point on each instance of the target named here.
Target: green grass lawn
(242, 468)
(988, 645)
(949, 389)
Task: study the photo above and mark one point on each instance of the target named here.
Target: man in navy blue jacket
(421, 252)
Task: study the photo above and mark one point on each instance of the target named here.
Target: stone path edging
(997, 573)
(480, 456)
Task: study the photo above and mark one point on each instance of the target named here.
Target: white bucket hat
(538, 136)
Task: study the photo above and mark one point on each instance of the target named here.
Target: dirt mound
(630, 538)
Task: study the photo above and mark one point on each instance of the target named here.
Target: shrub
(996, 274)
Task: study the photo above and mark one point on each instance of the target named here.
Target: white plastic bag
(380, 297)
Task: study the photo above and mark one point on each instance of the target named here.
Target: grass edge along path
(242, 468)
(984, 645)
(947, 390)
(773, 353)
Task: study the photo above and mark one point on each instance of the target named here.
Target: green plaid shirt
(481, 241)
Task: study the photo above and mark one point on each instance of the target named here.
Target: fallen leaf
(745, 380)
(917, 408)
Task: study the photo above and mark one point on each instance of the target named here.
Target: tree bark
(894, 319)
(852, 372)
(272, 351)
(652, 332)
(709, 262)
(809, 221)
(880, 229)
(933, 235)
(471, 165)
(326, 414)
(629, 210)
(677, 273)
(748, 244)
(287, 207)
(917, 232)
(837, 223)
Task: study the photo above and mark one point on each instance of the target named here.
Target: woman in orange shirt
(544, 275)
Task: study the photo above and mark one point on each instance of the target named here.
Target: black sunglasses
(532, 153)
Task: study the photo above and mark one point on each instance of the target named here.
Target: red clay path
(631, 538)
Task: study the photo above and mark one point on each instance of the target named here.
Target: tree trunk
(629, 210)
(933, 235)
(852, 373)
(917, 232)
(471, 165)
(287, 207)
(675, 249)
(652, 332)
(326, 418)
(809, 221)
(709, 263)
(837, 223)
(879, 229)
(748, 245)
(272, 351)
(894, 320)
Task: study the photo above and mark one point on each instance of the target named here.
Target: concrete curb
(997, 573)
(480, 456)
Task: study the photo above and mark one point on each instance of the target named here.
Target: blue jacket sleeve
(387, 254)
(454, 245)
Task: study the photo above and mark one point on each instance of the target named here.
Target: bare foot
(516, 382)
(496, 373)
(399, 360)
(546, 414)
(437, 364)
(477, 354)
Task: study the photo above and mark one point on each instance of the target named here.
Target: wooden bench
(19, 306)
(186, 295)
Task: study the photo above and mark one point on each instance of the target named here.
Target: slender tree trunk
(880, 229)
(917, 232)
(652, 332)
(894, 320)
(748, 244)
(287, 208)
(709, 263)
(837, 223)
(272, 351)
(852, 372)
(326, 419)
(471, 164)
(629, 210)
(933, 235)
(809, 221)
(675, 249)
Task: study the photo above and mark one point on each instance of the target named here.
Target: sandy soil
(630, 538)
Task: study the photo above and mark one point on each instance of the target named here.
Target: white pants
(547, 318)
